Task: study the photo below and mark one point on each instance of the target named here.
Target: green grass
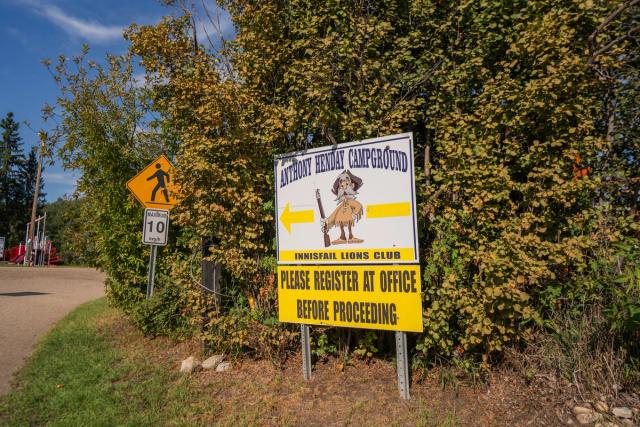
(95, 369)
(76, 377)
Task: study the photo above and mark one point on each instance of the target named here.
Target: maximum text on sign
(155, 229)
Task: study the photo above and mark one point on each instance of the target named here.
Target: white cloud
(17, 34)
(89, 30)
(139, 79)
(59, 178)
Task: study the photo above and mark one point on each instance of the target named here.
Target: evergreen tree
(17, 182)
(11, 168)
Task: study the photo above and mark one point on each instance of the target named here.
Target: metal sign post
(403, 364)
(306, 351)
(155, 232)
(211, 287)
(152, 270)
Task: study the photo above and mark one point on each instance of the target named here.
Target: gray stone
(213, 361)
(187, 365)
(582, 410)
(585, 418)
(223, 366)
(622, 412)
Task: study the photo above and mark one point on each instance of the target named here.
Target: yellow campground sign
(347, 241)
(153, 186)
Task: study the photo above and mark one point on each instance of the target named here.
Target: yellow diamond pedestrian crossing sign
(153, 186)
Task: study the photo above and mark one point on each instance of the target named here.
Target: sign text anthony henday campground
(347, 236)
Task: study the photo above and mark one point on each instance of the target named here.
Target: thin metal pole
(36, 193)
(306, 351)
(44, 232)
(403, 365)
(26, 245)
(152, 270)
(36, 243)
(26, 241)
(210, 282)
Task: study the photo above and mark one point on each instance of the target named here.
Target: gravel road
(31, 301)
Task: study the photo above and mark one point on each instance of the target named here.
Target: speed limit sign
(156, 227)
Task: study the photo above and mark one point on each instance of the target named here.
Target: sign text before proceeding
(370, 297)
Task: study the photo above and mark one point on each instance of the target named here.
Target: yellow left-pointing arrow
(288, 217)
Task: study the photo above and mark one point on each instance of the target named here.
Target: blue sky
(33, 30)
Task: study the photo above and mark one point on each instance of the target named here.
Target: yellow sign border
(307, 287)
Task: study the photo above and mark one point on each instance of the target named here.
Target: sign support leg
(210, 283)
(152, 270)
(306, 351)
(403, 364)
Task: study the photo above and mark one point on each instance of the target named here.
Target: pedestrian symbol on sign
(160, 176)
(153, 186)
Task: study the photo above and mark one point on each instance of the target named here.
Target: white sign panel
(348, 203)
(2, 247)
(155, 229)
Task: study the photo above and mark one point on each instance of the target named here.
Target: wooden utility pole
(36, 194)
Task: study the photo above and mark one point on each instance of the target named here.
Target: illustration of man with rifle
(348, 212)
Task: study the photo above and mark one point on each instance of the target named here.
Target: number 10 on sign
(156, 227)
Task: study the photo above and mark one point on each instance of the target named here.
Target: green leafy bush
(524, 118)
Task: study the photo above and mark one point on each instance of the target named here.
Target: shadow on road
(22, 294)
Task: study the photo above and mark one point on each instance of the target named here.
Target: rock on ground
(187, 365)
(224, 366)
(622, 412)
(213, 361)
(587, 418)
(581, 410)
(585, 415)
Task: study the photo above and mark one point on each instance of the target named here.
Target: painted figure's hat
(357, 182)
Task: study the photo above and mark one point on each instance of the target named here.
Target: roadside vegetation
(96, 368)
(77, 376)
(525, 116)
(66, 231)
(18, 169)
